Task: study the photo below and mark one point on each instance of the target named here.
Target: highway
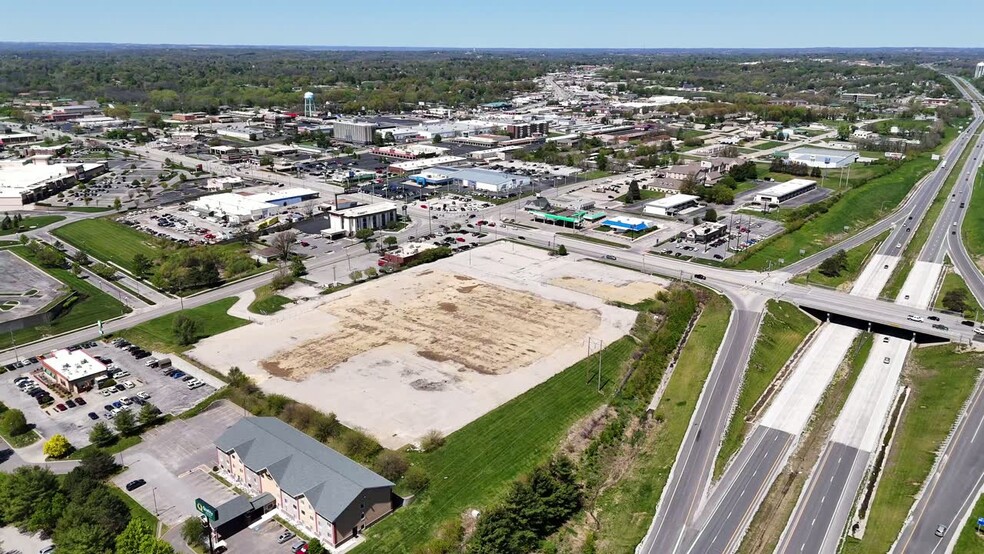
(956, 482)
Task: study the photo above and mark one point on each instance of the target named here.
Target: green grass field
(952, 281)
(95, 304)
(856, 209)
(767, 145)
(478, 462)
(593, 174)
(855, 258)
(107, 240)
(973, 224)
(267, 301)
(588, 238)
(784, 326)
(646, 195)
(941, 379)
(157, 333)
(33, 222)
(625, 510)
(970, 541)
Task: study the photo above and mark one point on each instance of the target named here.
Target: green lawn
(21, 440)
(973, 223)
(593, 174)
(768, 144)
(941, 379)
(951, 282)
(93, 306)
(121, 444)
(625, 510)
(33, 222)
(136, 510)
(107, 240)
(646, 194)
(157, 333)
(479, 461)
(857, 208)
(267, 301)
(784, 326)
(855, 260)
(588, 238)
(970, 541)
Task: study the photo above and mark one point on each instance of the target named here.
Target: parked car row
(33, 388)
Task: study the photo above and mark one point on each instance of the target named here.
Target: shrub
(432, 440)
(416, 479)
(57, 447)
(13, 422)
(391, 464)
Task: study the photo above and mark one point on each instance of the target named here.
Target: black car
(93, 416)
(108, 408)
(44, 399)
(933, 318)
(967, 323)
(700, 276)
(37, 392)
(135, 484)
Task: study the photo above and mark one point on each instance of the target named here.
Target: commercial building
(8, 137)
(358, 132)
(529, 129)
(227, 153)
(74, 371)
(239, 513)
(241, 207)
(73, 111)
(424, 163)
(321, 491)
(240, 133)
(407, 253)
(777, 194)
(820, 157)
(33, 179)
(707, 232)
(223, 183)
(410, 151)
(671, 205)
(286, 197)
(370, 216)
(621, 223)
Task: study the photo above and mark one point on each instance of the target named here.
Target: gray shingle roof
(299, 464)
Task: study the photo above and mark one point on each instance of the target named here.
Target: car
(898, 245)
(128, 384)
(700, 276)
(305, 243)
(135, 484)
(941, 530)
(79, 401)
(886, 360)
(119, 388)
(60, 407)
(47, 550)
(521, 237)
(144, 395)
(126, 401)
(70, 403)
(968, 323)
(44, 399)
(151, 362)
(285, 536)
(610, 257)
(299, 547)
(187, 378)
(108, 407)
(915, 318)
(886, 266)
(177, 375)
(118, 404)
(93, 416)
(933, 318)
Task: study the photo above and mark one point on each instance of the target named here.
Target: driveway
(175, 460)
(13, 541)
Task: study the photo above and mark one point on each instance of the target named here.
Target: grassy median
(31, 223)
(973, 223)
(854, 263)
(626, 509)
(941, 378)
(784, 326)
(955, 283)
(267, 301)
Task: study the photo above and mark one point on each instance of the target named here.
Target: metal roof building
(317, 488)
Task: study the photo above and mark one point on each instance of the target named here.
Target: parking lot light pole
(154, 492)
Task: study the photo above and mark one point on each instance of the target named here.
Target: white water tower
(979, 70)
(308, 104)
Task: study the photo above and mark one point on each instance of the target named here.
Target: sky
(502, 23)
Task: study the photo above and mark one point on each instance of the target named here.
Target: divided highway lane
(692, 469)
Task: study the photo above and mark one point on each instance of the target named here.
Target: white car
(128, 384)
(144, 395)
(979, 330)
(126, 401)
(915, 318)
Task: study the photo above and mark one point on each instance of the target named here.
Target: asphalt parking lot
(170, 395)
(174, 460)
(261, 540)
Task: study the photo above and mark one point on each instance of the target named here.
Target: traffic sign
(980, 521)
(206, 509)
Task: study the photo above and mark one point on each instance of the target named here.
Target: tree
(193, 532)
(634, 193)
(186, 329)
(125, 423)
(266, 160)
(391, 464)
(390, 241)
(832, 266)
(13, 422)
(711, 215)
(602, 162)
(561, 250)
(76, 269)
(355, 276)
(92, 504)
(98, 464)
(24, 490)
(141, 264)
(416, 479)
(148, 414)
(138, 538)
(370, 273)
(297, 268)
(282, 279)
(101, 435)
(955, 300)
(57, 447)
(436, 139)
(315, 546)
(282, 241)
(117, 204)
(844, 131)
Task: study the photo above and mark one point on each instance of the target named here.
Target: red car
(304, 243)
(424, 206)
(79, 401)
(60, 407)
(460, 239)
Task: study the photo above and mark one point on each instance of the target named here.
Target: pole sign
(206, 509)
(980, 521)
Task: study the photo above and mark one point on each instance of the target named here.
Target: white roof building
(671, 205)
(73, 370)
(368, 216)
(424, 163)
(777, 194)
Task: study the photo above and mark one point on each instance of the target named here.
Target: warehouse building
(670, 206)
(315, 488)
(238, 207)
(74, 371)
(820, 157)
(777, 194)
(411, 166)
(358, 132)
(370, 216)
(33, 179)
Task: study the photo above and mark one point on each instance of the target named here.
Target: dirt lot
(437, 346)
